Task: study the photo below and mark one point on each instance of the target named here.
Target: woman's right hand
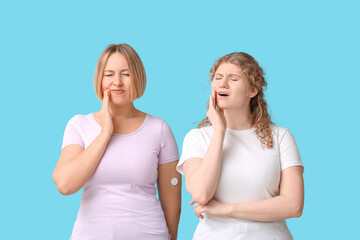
(107, 126)
(216, 116)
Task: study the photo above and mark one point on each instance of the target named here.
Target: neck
(123, 111)
(238, 119)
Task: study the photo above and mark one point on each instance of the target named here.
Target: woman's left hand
(213, 207)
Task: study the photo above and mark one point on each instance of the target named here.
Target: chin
(223, 106)
(120, 103)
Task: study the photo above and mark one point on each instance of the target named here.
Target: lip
(219, 96)
(117, 91)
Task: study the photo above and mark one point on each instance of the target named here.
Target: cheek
(241, 92)
(242, 89)
(105, 84)
(128, 82)
(214, 84)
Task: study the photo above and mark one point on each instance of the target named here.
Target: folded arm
(288, 204)
(202, 174)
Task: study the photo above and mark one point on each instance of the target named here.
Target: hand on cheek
(106, 123)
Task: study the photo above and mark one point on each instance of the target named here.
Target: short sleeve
(169, 150)
(192, 147)
(72, 133)
(289, 152)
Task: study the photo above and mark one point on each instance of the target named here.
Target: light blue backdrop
(308, 49)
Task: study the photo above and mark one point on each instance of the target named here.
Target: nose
(223, 83)
(118, 80)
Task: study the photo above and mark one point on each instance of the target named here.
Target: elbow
(297, 210)
(64, 190)
(201, 197)
(200, 194)
(62, 186)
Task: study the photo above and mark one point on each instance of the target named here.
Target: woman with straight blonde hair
(244, 173)
(117, 155)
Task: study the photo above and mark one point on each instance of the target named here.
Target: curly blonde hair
(259, 116)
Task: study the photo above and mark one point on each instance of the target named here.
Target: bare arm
(170, 195)
(202, 174)
(288, 204)
(77, 165)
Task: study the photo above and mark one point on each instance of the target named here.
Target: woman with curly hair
(244, 173)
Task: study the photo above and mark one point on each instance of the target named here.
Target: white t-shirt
(249, 172)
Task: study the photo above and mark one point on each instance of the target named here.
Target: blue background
(308, 49)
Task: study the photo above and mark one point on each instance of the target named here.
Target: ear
(253, 92)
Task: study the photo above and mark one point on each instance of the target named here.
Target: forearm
(172, 221)
(170, 195)
(171, 205)
(273, 209)
(70, 176)
(203, 180)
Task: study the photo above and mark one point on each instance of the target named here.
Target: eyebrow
(109, 70)
(231, 74)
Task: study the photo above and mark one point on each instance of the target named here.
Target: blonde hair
(136, 69)
(259, 117)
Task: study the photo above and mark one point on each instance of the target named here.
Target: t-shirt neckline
(122, 135)
(249, 130)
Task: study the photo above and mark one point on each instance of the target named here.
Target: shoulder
(156, 124)
(281, 133)
(200, 133)
(154, 120)
(79, 119)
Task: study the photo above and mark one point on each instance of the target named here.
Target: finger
(221, 111)
(196, 213)
(105, 95)
(215, 97)
(109, 94)
(199, 212)
(211, 102)
(106, 98)
(192, 201)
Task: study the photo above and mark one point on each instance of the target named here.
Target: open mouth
(223, 94)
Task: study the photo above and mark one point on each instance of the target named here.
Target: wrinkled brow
(109, 70)
(233, 74)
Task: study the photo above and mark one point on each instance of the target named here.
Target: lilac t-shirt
(118, 201)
